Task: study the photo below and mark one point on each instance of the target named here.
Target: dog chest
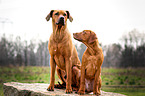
(90, 71)
(91, 67)
(57, 49)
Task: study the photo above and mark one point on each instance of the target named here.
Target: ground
(129, 81)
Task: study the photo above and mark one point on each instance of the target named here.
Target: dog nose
(61, 21)
(61, 18)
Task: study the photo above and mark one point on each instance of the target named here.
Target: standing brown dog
(63, 53)
(91, 62)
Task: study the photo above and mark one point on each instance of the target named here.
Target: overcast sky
(109, 19)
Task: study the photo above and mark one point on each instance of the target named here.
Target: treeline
(129, 53)
(22, 53)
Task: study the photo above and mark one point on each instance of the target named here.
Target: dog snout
(60, 21)
(74, 34)
(61, 18)
(77, 36)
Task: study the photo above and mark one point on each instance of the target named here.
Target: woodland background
(130, 52)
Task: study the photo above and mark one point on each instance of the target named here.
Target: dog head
(86, 36)
(59, 17)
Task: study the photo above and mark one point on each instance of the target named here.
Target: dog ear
(92, 38)
(69, 17)
(49, 15)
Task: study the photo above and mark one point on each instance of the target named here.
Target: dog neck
(58, 32)
(93, 48)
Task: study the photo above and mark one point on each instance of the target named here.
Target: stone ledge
(39, 89)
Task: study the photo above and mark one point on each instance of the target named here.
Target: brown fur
(63, 53)
(91, 62)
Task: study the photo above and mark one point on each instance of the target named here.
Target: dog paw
(97, 93)
(50, 88)
(81, 92)
(68, 91)
(75, 89)
(60, 86)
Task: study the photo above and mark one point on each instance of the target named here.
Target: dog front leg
(82, 81)
(52, 75)
(69, 75)
(97, 82)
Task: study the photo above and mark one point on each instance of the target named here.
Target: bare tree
(112, 55)
(133, 52)
(134, 38)
(3, 51)
(42, 54)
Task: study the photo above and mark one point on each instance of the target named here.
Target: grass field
(125, 81)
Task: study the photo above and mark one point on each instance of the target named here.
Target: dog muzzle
(60, 21)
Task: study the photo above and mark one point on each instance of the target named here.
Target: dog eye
(57, 13)
(64, 14)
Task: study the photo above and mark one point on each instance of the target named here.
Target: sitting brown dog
(62, 51)
(91, 62)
